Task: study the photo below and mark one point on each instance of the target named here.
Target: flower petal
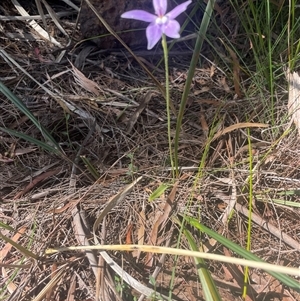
(140, 15)
(171, 29)
(153, 33)
(160, 7)
(175, 12)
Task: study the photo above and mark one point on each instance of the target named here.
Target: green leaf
(242, 252)
(90, 167)
(7, 227)
(30, 139)
(152, 280)
(21, 106)
(158, 192)
(193, 64)
(210, 290)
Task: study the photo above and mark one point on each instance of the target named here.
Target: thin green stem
(248, 247)
(270, 60)
(168, 103)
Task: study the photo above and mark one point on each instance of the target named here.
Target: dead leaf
(212, 70)
(141, 231)
(128, 234)
(224, 84)
(239, 126)
(23, 151)
(35, 181)
(161, 221)
(62, 209)
(202, 90)
(72, 288)
(8, 246)
(236, 72)
(204, 124)
(134, 117)
(84, 82)
(49, 293)
(238, 276)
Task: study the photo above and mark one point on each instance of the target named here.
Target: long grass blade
(194, 61)
(209, 288)
(30, 139)
(19, 247)
(21, 106)
(241, 251)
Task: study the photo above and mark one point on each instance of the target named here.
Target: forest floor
(110, 122)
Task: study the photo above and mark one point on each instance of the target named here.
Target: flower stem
(168, 104)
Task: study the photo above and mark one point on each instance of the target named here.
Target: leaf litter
(116, 95)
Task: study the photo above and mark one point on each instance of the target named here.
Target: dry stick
(111, 31)
(270, 228)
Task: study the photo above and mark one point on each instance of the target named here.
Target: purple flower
(161, 23)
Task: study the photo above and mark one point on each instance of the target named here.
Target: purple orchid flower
(161, 23)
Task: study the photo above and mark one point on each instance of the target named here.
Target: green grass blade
(286, 193)
(6, 227)
(90, 167)
(290, 282)
(249, 227)
(285, 203)
(32, 140)
(20, 105)
(19, 247)
(194, 61)
(158, 192)
(210, 290)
